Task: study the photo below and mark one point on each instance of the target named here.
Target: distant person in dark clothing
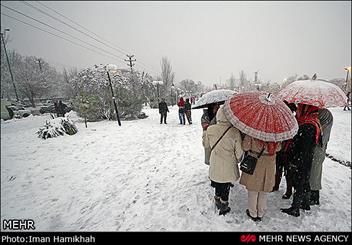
(61, 109)
(11, 113)
(56, 106)
(163, 110)
(188, 111)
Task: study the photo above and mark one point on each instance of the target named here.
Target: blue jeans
(181, 116)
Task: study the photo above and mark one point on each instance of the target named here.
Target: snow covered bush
(56, 127)
(88, 106)
(131, 91)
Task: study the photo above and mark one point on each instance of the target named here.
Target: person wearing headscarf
(301, 153)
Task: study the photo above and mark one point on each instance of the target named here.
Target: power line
(78, 24)
(119, 48)
(57, 35)
(63, 22)
(60, 31)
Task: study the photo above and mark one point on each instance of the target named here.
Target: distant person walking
(188, 108)
(181, 111)
(163, 110)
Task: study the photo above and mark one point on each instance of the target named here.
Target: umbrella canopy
(214, 96)
(313, 92)
(261, 116)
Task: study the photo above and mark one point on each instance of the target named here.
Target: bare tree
(232, 82)
(167, 76)
(33, 82)
(243, 81)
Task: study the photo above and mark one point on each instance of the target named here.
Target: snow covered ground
(144, 176)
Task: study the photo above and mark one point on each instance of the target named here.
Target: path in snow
(143, 176)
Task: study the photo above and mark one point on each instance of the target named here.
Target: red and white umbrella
(313, 92)
(262, 116)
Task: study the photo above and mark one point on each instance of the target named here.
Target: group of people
(300, 157)
(184, 111)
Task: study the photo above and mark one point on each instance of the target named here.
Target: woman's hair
(211, 114)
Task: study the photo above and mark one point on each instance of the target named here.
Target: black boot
(287, 195)
(305, 205)
(224, 207)
(296, 204)
(252, 218)
(314, 197)
(217, 202)
(291, 211)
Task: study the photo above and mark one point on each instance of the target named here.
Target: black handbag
(249, 163)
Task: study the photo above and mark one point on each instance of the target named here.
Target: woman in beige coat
(263, 179)
(224, 158)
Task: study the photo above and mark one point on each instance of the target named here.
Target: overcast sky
(204, 41)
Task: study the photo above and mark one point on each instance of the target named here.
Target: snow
(317, 92)
(214, 96)
(144, 176)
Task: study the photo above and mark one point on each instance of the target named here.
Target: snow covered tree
(129, 90)
(190, 87)
(33, 77)
(34, 81)
(304, 77)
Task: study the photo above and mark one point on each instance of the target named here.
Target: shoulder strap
(260, 154)
(221, 137)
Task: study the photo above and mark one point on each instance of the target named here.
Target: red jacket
(181, 103)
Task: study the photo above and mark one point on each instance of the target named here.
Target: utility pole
(113, 99)
(8, 63)
(130, 65)
(130, 61)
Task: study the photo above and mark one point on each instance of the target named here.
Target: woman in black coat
(301, 155)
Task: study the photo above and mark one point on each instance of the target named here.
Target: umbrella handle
(268, 98)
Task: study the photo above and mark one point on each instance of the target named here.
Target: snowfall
(144, 176)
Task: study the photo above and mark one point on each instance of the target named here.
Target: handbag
(249, 163)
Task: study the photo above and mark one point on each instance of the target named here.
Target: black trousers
(301, 196)
(222, 190)
(163, 115)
